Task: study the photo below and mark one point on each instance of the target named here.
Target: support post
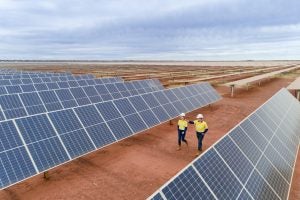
(298, 95)
(171, 122)
(46, 175)
(232, 90)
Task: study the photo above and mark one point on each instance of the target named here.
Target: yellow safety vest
(182, 124)
(200, 126)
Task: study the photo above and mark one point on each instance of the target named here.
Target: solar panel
(252, 161)
(56, 137)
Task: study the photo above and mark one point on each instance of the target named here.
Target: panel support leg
(232, 90)
(46, 175)
(171, 122)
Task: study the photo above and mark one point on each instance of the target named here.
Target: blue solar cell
(283, 151)
(98, 81)
(171, 110)
(129, 86)
(48, 153)
(77, 142)
(50, 100)
(101, 89)
(188, 185)
(37, 80)
(121, 86)
(272, 176)
(178, 92)
(65, 121)
(28, 88)
(55, 79)
(3, 90)
(125, 94)
(119, 128)
(80, 96)
(261, 126)
(63, 84)
(279, 163)
(16, 81)
(73, 84)
(245, 144)
(9, 138)
(46, 79)
(116, 95)
(133, 92)
(5, 82)
(186, 92)
(100, 134)
(160, 96)
(52, 86)
(41, 86)
(82, 83)
(91, 82)
(66, 98)
(250, 129)
(135, 122)
(213, 170)
(35, 128)
(149, 118)
(15, 165)
(12, 106)
(138, 103)
(26, 81)
(32, 103)
(259, 189)
(179, 106)
(88, 115)
(188, 104)
(231, 154)
(124, 106)
(108, 110)
(106, 97)
(245, 196)
(150, 100)
(160, 113)
(12, 89)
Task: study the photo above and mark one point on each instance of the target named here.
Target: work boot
(179, 148)
(198, 153)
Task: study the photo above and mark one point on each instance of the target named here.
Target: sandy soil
(136, 167)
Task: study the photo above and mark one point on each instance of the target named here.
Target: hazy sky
(150, 29)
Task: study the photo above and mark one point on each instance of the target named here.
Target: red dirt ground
(136, 167)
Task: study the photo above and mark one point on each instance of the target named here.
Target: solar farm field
(113, 126)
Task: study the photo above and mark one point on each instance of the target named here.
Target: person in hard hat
(201, 129)
(182, 128)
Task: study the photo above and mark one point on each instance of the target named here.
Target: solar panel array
(20, 103)
(44, 129)
(255, 160)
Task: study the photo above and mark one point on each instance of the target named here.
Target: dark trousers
(181, 136)
(200, 137)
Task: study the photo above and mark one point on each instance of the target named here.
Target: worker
(201, 129)
(182, 128)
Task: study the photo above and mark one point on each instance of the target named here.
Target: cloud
(152, 29)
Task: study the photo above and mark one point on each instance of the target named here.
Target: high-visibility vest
(182, 124)
(200, 126)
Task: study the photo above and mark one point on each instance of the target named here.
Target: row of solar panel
(255, 160)
(37, 143)
(19, 81)
(18, 74)
(24, 104)
(15, 89)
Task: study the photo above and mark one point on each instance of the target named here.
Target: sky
(150, 29)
